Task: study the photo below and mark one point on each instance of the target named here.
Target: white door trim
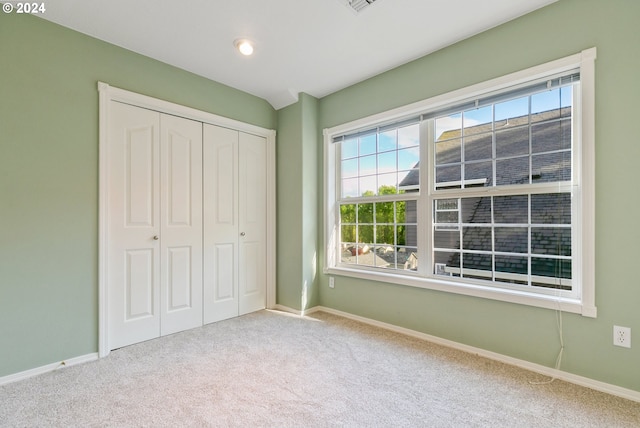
(109, 93)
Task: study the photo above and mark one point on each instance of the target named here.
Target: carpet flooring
(271, 369)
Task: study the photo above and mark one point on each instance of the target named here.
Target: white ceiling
(312, 46)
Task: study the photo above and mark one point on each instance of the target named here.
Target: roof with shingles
(545, 141)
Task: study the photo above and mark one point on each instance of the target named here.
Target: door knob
(242, 233)
(156, 237)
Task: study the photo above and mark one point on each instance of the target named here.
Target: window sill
(499, 294)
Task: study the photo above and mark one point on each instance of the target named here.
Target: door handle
(242, 233)
(156, 237)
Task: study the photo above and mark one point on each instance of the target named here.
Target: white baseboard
(629, 394)
(309, 311)
(48, 368)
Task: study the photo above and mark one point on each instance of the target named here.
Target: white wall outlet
(622, 336)
(332, 282)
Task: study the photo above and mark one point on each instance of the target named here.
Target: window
(375, 229)
(486, 191)
(520, 146)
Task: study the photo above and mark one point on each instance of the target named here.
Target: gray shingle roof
(548, 138)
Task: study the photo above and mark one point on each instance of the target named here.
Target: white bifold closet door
(154, 225)
(235, 189)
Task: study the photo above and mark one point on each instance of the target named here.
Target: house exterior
(549, 134)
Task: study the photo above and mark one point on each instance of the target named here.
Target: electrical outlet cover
(622, 336)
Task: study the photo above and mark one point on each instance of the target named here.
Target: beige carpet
(270, 369)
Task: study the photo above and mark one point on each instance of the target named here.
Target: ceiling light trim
(244, 46)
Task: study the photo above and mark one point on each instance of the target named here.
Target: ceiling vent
(358, 5)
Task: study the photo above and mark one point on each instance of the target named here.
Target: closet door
(133, 225)
(220, 171)
(181, 224)
(234, 224)
(154, 225)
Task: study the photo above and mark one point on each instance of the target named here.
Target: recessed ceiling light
(244, 46)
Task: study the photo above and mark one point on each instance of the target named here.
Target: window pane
(478, 147)
(408, 158)
(566, 101)
(408, 259)
(348, 233)
(474, 264)
(405, 210)
(476, 210)
(365, 234)
(446, 204)
(551, 104)
(447, 217)
(511, 239)
(512, 142)
(446, 174)
(476, 238)
(448, 151)
(384, 212)
(552, 167)
(350, 168)
(387, 162)
(411, 235)
(446, 263)
(365, 213)
(511, 264)
(349, 149)
(448, 127)
(551, 240)
(512, 171)
(446, 211)
(550, 136)
(408, 180)
(348, 213)
(367, 165)
(479, 170)
(367, 145)
(551, 208)
(388, 184)
(446, 239)
(553, 268)
(385, 235)
(507, 111)
(477, 120)
(401, 234)
(350, 188)
(387, 141)
(385, 256)
(409, 136)
(368, 185)
(511, 209)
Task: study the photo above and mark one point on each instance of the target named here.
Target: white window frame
(583, 302)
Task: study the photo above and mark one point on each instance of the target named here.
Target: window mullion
(424, 218)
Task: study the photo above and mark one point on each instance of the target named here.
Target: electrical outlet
(622, 336)
(332, 282)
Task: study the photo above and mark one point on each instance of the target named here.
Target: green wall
(528, 333)
(49, 177)
(297, 224)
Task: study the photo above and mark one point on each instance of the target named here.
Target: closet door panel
(181, 227)
(133, 221)
(220, 159)
(252, 222)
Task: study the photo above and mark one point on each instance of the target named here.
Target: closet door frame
(108, 93)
